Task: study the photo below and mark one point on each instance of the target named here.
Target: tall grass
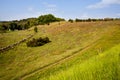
(105, 66)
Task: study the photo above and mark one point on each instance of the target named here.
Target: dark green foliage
(108, 19)
(78, 20)
(35, 29)
(70, 20)
(47, 19)
(91, 20)
(2, 30)
(3, 27)
(60, 19)
(12, 26)
(32, 22)
(38, 42)
(18, 25)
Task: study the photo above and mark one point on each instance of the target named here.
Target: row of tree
(91, 20)
(41, 20)
(18, 25)
(27, 23)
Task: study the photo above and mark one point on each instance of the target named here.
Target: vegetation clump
(35, 29)
(38, 42)
(47, 19)
(70, 20)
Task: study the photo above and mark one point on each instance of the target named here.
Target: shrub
(35, 29)
(70, 20)
(78, 20)
(38, 42)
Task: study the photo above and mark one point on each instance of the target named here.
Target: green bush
(35, 29)
(38, 42)
(70, 20)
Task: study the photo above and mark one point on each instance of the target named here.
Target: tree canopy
(47, 19)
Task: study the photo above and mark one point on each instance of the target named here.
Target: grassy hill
(12, 37)
(72, 43)
(105, 66)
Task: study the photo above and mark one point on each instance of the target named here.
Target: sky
(82, 9)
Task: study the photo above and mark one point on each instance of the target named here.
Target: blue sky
(21, 9)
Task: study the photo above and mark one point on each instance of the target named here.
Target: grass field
(24, 62)
(12, 37)
(105, 66)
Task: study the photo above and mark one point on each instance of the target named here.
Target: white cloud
(49, 5)
(30, 9)
(103, 3)
(49, 8)
(52, 9)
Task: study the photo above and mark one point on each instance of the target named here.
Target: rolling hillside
(72, 44)
(105, 66)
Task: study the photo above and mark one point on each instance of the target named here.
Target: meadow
(105, 66)
(76, 45)
(12, 37)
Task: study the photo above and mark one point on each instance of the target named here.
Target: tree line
(92, 20)
(27, 23)
(41, 20)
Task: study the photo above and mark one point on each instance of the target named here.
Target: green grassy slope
(9, 38)
(67, 38)
(105, 66)
(108, 40)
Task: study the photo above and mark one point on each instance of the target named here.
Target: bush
(35, 29)
(70, 20)
(38, 42)
(78, 20)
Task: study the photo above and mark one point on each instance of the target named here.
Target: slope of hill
(108, 40)
(12, 37)
(105, 66)
(80, 41)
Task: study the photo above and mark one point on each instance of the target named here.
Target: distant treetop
(46, 19)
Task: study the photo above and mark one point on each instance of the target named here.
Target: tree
(12, 26)
(89, 20)
(78, 20)
(46, 19)
(60, 19)
(70, 20)
(2, 29)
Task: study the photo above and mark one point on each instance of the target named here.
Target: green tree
(78, 20)
(12, 26)
(46, 19)
(70, 20)
(60, 19)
